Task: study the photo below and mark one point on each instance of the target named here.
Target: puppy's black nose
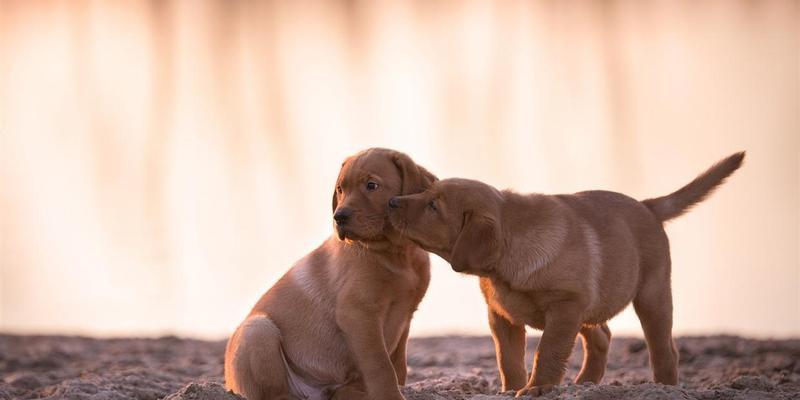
(342, 215)
(393, 203)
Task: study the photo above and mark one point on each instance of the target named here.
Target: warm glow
(162, 164)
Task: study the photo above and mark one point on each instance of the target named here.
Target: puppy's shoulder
(307, 278)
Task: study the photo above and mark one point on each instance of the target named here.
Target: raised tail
(677, 203)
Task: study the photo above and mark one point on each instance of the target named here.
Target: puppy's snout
(342, 215)
(394, 203)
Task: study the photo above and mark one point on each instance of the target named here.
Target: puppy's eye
(432, 205)
(339, 189)
(371, 186)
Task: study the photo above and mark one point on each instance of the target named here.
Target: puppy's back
(604, 208)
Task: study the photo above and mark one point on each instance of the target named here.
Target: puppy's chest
(405, 284)
(405, 287)
(521, 308)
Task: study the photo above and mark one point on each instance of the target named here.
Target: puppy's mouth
(344, 233)
(341, 232)
(357, 233)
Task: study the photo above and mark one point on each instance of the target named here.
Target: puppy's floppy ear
(477, 245)
(415, 179)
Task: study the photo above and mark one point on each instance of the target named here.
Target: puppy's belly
(605, 308)
(528, 308)
(518, 307)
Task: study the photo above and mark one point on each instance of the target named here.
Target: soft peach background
(163, 163)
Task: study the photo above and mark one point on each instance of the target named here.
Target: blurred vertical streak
(6, 13)
(467, 40)
(498, 98)
(261, 25)
(99, 150)
(161, 112)
(225, 46)
(623, 147)
(357, 34)
(263, 30)
(273, 160)
(796, 13)
(501, 92)
(241, 150)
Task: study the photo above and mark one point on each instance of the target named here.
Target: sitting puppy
(564, 264)
(336, 324)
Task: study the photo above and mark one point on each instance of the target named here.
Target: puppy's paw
(348, 393)
(535, 391)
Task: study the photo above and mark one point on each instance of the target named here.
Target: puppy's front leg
(364, 334)
(562, 323)
(509, 347)
(399, 358)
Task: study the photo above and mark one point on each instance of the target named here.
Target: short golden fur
(564, 264)
(336, 324)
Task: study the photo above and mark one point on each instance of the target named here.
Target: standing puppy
(564, 264)
(336, 325)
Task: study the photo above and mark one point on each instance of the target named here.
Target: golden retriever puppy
(336, 324)
(564, 264)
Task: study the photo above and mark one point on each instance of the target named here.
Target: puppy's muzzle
(394, 203)
(342, 215)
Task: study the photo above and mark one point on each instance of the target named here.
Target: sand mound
(440, 368)
(203, 391)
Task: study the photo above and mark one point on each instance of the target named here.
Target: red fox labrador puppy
(336, 324)
(564, 264)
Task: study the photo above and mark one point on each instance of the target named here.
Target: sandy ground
(440, 368)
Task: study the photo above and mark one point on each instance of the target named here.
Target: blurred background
(163, 163)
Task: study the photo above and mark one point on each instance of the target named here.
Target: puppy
(564, 264)
(336, 324)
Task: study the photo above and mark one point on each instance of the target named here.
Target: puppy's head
(365, 184)
(457, 219)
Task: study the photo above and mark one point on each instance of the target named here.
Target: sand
(440, 368)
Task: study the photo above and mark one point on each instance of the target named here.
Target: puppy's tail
(677, 203)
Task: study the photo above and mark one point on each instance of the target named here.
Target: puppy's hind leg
(254, 366)
(653, 305)
(596, 340)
